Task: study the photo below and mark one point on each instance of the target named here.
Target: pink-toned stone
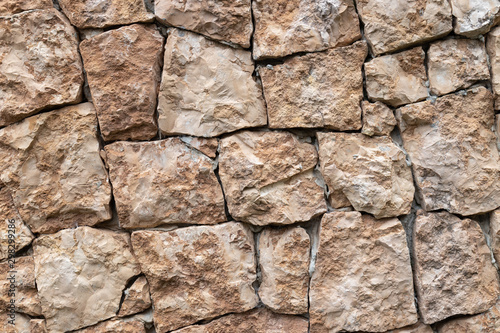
(163, 182)
(52, 166)
(10, 7)
(116, 326)
(493, 49)
(207, 146)
(378, 119)
(487, 322)
(40, 66)
(268, 178)
(137, 298)
(453, 269)
(123, 71)
(38, 326)
(362, 279)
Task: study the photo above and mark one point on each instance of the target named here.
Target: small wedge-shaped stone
(101, 14)
(10, 7)
(473, 18)
(307, 91)
(284, 27)
(372, 172)
(163, 182)
(14, 235)
(224, 20)
(378, 119)
(397, 24)
(39, 64)
(207, 88)
(116, 326)
(51, 164)
(80, 275)
(362, 279)
(123, 70)
(493, 48)
(455, 64)
(268, 178)
(453, 152)
(453, 270)
(487, 322)
(284, 263)
(197, 272)
(18, 284)
(137, 298)
(256, 321)
(397, 79)
(495, 234)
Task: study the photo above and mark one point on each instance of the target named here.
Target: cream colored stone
(455, 64)
(475, 17)
(284, 265)
(362, 279)
(256, 321)
(10, 7)
(20, 272)
(207, 88)
(307, 91)
(224, 20)
(116, 326)
(416, 328)
(396, 24)
(81, 274)
(12, 224)
(39, 64)
(284, 27)
(452, 264)
(208, 146)
(397, 79)
(487, 322)
(137, 298)
(21, 323)
(123, 69)
(268, 178)
(493, 49)
(370, 171)
(495, 234)
(51, 164)
(38, 326)
(378, 119)
(105, 13)
(163, 182)
(453, 152)
(197, 272)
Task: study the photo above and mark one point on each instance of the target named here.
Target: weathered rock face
(495, 234)
(123, 70)
(255, 321)
(21, 234)
(453, 270)
(456, 64)
(371, 172)
(80, 275)
(198, 272)
(390, 26)
(493, 48)
(207, 88)
(285, 27)
(116, 326)
(473, 18)
(21, 324)
(487, 322)
(378, 119)
(268, 178)
(226, 20)
(453, 152)
(137, 298)
(9, 7)
(361, 285)
(206, 146)
(417, 328)
(307, 91)
(22, 274)
(36, 78)
(38, 326)
(284, 263)
(151, 179)
(101, 14)
(397, 79)
(51, 164)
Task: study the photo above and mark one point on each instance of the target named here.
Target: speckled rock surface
(495, 234)
(378, 119)
(207, 146)
(375, 269)
(493, 48)
(416, 328)
(197, 272)
(464, 281)
(306, 91)
(487, 322)
(136, 298)
(116, 326)
(9, 7)
(473, 18)
(37, 78)
(51, 164)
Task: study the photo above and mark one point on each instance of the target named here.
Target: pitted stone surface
(378, 119)
(9, 7)
(473, 18)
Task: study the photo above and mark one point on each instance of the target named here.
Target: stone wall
(264, 166)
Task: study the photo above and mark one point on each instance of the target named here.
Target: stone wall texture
(249, 166)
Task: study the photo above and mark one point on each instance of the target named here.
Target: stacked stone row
(237, 166)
